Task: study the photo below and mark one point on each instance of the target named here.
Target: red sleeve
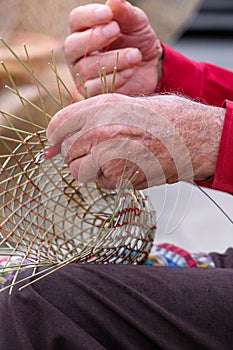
(201, 81)
(223, 176)
(209, 84)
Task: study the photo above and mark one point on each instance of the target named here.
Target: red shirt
(208, 84)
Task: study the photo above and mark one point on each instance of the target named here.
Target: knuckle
(69, 41)
(70, 48)
(74, 170)
(67, 44)
(72, 18)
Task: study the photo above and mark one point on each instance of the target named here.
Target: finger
(135, 29)
(130, 18)
(78, 44)
(87, 169)
(67, 121)
(109, 84)
(84, 169)
(128, 175)
(109, 171)
(88, 67)
(73, 117)
(90, 15)
(80, 144)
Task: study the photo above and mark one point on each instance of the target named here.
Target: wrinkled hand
(147, 140)
(119, 27)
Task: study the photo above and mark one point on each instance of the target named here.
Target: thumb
(129, 18)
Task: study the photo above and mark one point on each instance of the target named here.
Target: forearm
(207, 132)
(199, 127)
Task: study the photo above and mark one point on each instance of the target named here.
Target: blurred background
(202, 30)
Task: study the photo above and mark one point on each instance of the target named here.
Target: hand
(119, 27)
(147, 140)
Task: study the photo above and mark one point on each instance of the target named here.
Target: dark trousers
(122, 307)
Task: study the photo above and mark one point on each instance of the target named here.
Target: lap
(121, 307)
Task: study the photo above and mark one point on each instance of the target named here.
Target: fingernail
(110, 30)
(133, 56)
(103, 13)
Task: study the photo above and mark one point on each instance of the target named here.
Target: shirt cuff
(223, 177)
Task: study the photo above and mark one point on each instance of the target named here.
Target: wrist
(223, 176)
(208, 142)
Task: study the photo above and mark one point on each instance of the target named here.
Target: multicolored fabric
(164, 254)
(167, 254)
